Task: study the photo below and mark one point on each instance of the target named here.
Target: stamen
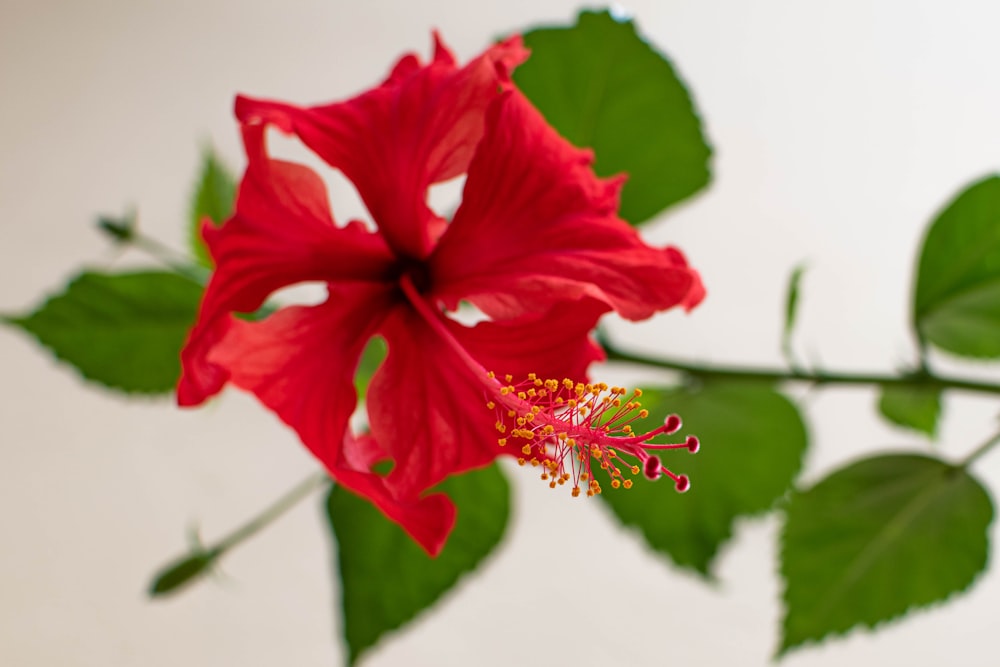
(570, 428)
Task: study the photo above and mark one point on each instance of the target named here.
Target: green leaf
(183, 572)
(912, 407)
(124, 331)
(791, 310)
(876, 538)
(752, 441)
(386, 579)
(214, 196)
(601, 86)
(372, 357)
(957, 300)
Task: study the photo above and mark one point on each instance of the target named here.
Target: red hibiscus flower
(535, 244)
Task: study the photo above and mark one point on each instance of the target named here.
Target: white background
(839, 129)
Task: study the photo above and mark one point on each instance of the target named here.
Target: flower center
(569, 427)
(416, 272)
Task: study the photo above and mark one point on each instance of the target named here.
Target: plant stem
(923, 379)
(979, 451)
(172, 259)
(286, 502)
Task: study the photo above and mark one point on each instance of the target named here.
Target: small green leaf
(957, 300)
(386, 579)
(791, 310)
(124, 330)
(912, 407)
(214, 196)
(182, 572)
(752, 442)
(877, 538)
(605, 88)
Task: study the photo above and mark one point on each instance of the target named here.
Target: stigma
(571, 429)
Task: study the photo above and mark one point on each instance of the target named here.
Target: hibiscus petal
(537, 226)
(556, 344)
(420, 127)
(281, 233)
(427, 520)
(426, 407)
(426, 404)
(300, 362)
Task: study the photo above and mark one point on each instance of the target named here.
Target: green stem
(125, 232)
(286, 502)
(979, 451)
(170, 258)
(925, 380)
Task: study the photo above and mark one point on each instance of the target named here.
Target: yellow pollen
(637, 393)
(502, 442)
(576, 491)
(552, 485)
(491, 405)
(627, 484)
(508, 378)
(522, 395)
(635, 470)
(643, 414)
(534, 462)
(532, 393)
(615, 484)
(531, 376)
(491, 375)
(512, 413)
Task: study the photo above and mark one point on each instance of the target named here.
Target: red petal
(426, 404)
(281, 234)
(537, 226)
(556, 344)
(427, 520)
(300, 362)
(427, 407)
(420, 127)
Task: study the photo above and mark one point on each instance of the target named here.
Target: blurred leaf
(386, 579)
(124, 330)
(957, 300)
(912, 407)
(214, 196)
(372, 357)
(752, 442)
(876, 538)
(183, 572)
(791, 310)
(602, 87)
